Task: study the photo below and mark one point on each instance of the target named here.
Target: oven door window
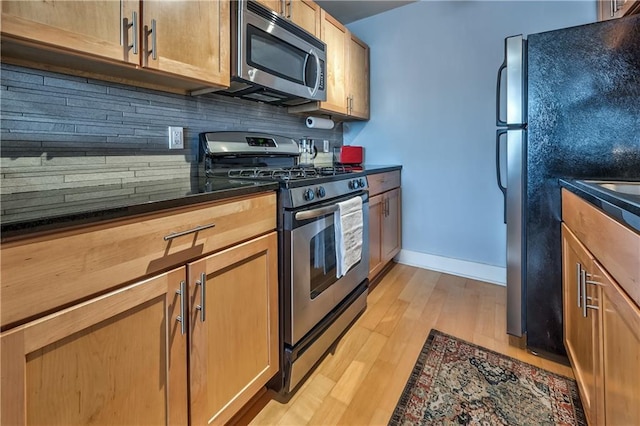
(275, 56)
(322, 261)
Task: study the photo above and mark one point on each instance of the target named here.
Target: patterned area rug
(456, 382)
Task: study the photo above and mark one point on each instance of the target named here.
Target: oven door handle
(310, 214)
(322, 211)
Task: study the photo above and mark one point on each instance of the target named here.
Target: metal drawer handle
(189, 231)
(181, 317)
(203, 295)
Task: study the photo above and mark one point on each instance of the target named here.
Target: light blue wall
(433, 77)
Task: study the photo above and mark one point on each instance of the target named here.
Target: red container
(351, 154)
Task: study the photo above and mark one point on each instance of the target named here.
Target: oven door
(311, 287)
(274, 53)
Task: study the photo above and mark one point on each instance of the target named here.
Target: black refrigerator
(568, 106)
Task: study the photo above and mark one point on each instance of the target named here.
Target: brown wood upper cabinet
(612, 9)
(186, 45)
(347, 74)
(304, 13)
(601, 294)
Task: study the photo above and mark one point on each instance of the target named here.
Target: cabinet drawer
(40, 274)
(615, 246)
(381, 182)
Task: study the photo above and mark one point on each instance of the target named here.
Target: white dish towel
(348, 226)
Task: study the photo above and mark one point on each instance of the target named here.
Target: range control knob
(320, 192)
(308, 194)
(362, 182)
(353, 184)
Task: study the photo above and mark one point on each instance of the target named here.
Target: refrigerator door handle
(503, 67)
(499, 133)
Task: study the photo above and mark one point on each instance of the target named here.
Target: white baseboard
(449, 265)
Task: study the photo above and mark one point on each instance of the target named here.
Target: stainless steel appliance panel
(314, 293)
(515, 240)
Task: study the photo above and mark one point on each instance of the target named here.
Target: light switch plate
(176, 138)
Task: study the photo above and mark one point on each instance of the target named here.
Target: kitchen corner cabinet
(384, 220)
(346, 76)
(137, 42)
(601, 296)
(114, 339)
(612, 9)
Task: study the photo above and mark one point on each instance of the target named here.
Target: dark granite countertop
(30, 212)
(27, 213)
(625, 208)
(372, 169)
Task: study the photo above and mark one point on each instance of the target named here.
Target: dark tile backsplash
(61, 131)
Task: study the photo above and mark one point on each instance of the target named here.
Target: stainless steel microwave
(272, 59)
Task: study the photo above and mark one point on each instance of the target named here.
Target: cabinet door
(391, 225)
(620, 353)
(580, 332)
(191, 39)
(358, 78)
(99, 28)
(305, 13)
(376, 211)
(234, 328)
(116, 359)
(612, 9)
(335, 35)
(275, 5)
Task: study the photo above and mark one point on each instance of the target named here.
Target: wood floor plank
(359, 383)
(336, 363)
(355, 373)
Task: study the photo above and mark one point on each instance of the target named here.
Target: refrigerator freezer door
(515, 59)
(515, 236)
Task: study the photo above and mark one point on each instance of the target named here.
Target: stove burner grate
(288, 173)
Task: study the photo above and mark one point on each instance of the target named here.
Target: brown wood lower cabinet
(116, 359)
(601, 318)
(581, 324)
(620, 353)
(234, 328)
(194, 344)
(384, 220)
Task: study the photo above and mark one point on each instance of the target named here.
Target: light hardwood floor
(361, 381)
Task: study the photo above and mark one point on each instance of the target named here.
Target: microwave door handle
(313, 91)
(500, 122)
(499, 133)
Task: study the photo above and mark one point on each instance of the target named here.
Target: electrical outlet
(176, 140)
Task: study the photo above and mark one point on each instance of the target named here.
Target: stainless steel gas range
(316, 306)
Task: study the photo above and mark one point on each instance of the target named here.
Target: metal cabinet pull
(612, 8)
(203, 295)
(583, 286)
(134, 32)
(579, 282)
(154, 47)
(189, 231)
(181, 317)
(287, 13)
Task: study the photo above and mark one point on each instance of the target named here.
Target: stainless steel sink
(631, 188)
